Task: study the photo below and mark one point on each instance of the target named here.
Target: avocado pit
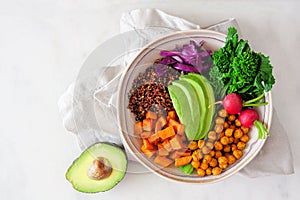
(100, 169)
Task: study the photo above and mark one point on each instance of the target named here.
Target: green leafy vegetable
(187, 169)
(238, 69)
(262, 130)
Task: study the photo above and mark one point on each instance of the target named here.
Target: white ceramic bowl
(213, 41)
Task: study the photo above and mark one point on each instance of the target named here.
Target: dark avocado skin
(116, 183)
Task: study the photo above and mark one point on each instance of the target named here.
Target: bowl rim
(146, 162)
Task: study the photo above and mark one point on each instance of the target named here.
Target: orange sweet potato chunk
(166, 133)
(176, 143)
(147, 152)
(147, 144)
(146, 134)
(162, 151)
(138, 128)
(166, 144)
(160, 123)
(147, 124)
(183, 161)
(163, 161)
(154, 138)
(174, 123)
(180, 129)
(151, 115)
(172, 115)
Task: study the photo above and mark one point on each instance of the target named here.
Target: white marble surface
(42, 46)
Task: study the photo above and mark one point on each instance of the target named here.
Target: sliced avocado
(210, 100)
(99, 168)
(202, 101)
(193, 102)
(181, 105)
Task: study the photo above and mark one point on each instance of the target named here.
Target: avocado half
(99, 168)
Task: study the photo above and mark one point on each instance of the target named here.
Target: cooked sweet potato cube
(146, 134)
(154, 138)
(147, 124)
(180, 129)
(182, 153)
(147, 144)
(163, 161)
(138, 128)
(160, 123)
(147, 152)
(176, 143)
(172, 115)
(183, 161)
(173, 155)
(161, 150)
(174, 123)
(166, 144)
(166, 133)
(151, 115)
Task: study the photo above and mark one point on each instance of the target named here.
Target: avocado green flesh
(194, 116)
(209, 96)
(77, 173)
(181, 105)
(202, 101)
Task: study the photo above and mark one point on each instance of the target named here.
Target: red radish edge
(233, 103)
(248, 117)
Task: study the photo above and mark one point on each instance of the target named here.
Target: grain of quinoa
(149, 92)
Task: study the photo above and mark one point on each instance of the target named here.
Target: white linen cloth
(265, 163)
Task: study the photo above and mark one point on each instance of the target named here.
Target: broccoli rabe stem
(255, 102)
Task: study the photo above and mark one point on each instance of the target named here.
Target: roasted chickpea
(216, 171)
(200, 172)
(195, 164)
(233, 147)
(212, 135)
(245, 130)
(222, 160)
(228, 132)
(224, 140)
(237, 153)
(212, 153)
(207, 158)
(193, 145)
(204, 165)
(213, 162)
(208, 171)
(219, 120)
(205, 150)
(225, 125)
(241, 145)
(197, 155)
(218, 146)
(223, 165)
(231, 117)
(230, 140)
(231, 159)
(218, 154)
(210, 145)
(244, 138)
(200, 143)
(238, 133)
(218, 128)
(227, 148)
(222, 113)
(237, 122)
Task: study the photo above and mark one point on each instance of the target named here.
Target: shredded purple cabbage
(190, 58)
